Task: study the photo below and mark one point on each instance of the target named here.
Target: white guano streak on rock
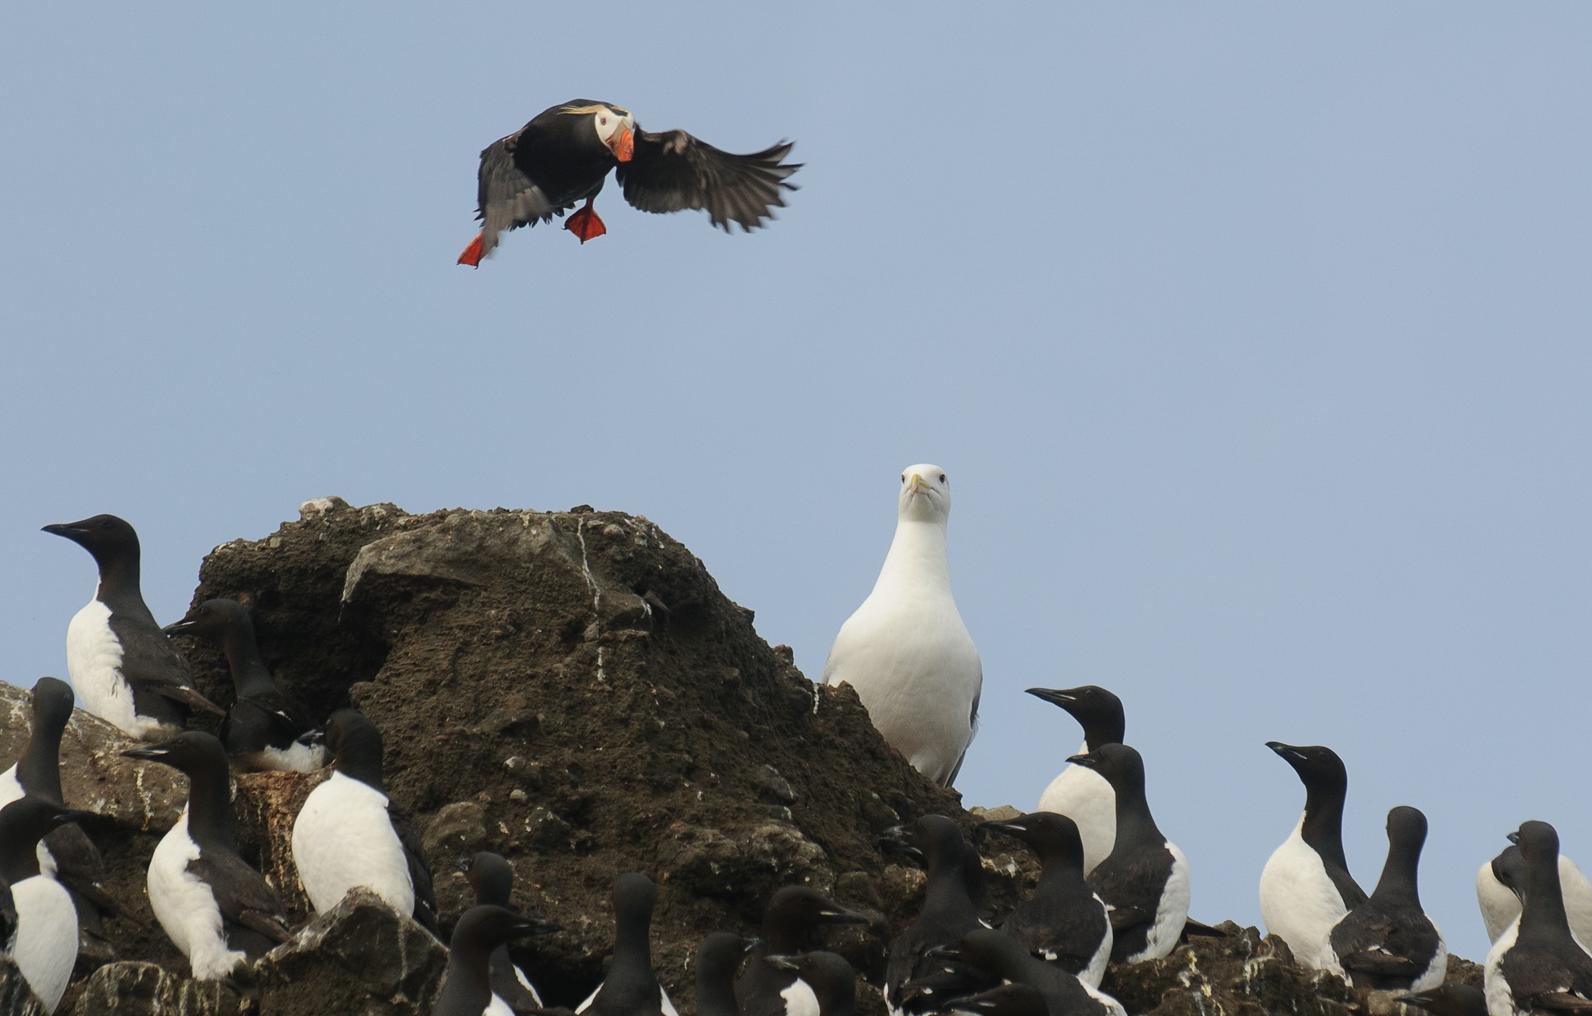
(596, 596)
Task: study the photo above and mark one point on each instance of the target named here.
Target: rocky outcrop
(573, 691)
(16, 998)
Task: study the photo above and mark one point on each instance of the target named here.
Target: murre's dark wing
(506, 198)
(242, 894)
(79, 867)
(150, 661)
(419, 871)
(673, 171)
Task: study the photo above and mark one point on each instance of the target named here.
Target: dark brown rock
(16, 998)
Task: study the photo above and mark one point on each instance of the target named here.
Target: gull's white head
(925, 493)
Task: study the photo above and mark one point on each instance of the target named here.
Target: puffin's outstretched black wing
(673, 171)
(505, 197)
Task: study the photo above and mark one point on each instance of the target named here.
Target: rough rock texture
(360, 957)
(572, 690)
(16, 998)
(145, 989)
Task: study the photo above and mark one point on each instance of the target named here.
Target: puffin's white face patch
(608, 121)
(925, 493)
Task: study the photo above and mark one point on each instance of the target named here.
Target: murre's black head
(1098, 711)
(23, 823)
(929, 838)
(1121, 765)
(1509, 868)
(492, 878)
(1448, 1000)
(212, 620)
(106, 537)
(1406, 827)
(51, 706)
(354, 744)
(1538, 841)
(634, 898)
(190, 752)
(484, 927)
(1318, 766)
(802, 908)
(832, 979)
(1054, 838)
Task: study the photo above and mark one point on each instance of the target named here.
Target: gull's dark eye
(903, 478)
(942, 477)
(603, 120)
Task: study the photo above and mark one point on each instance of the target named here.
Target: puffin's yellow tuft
(595, 107)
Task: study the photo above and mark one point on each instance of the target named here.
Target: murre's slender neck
(1322, 825)
(39, 768)
(945, 892)
(210, 807)
(1543, 913)
(118, 574)
(917, 558)
(1135, 824)
(19, 858)
(249, 673)
(1400, 874)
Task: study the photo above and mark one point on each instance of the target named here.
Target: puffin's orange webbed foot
(585, 224)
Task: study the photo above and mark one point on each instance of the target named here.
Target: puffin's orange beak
(624, 144)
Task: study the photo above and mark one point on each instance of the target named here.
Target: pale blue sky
(1254, 339)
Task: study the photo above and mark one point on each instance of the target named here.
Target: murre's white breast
(342, 838)
(94, 664)
(1171, 912)
(45, 944)
(1086, 797)
(1500, 997)
(1299, 902)
(186, 906)
(799, 999)
(297, 757)
(497, 1007)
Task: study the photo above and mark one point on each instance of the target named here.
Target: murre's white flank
(631, 987)
(345, 835)
(1145, 880)
(906, 650)
(1500, 906)
(1305, 887)
(44, 942)
(122, 666)
(217, 910)
(1078, 792)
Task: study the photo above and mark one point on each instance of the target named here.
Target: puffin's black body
(564, 154)
(483, 930)
(1063, 921)
(493, 880)
(156, 674)
(948, 910)
(1388, 943)
(1545, 970)
(790, 926)
(631, 987)
(251, 912)
(263, 727)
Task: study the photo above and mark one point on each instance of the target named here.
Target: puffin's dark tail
(473, 253)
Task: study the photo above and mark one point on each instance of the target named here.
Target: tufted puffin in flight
(564, 154)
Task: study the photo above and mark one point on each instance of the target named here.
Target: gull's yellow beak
(918, 482)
